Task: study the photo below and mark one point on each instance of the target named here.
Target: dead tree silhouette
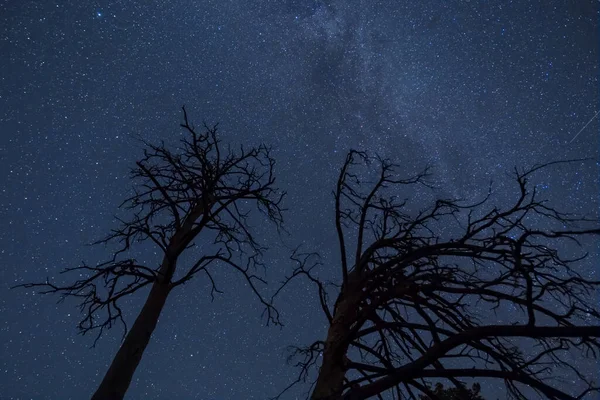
(418, 292)
(203, 190)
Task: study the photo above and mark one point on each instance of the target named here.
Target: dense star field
(473, 88)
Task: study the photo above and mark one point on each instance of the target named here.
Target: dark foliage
(455, 393)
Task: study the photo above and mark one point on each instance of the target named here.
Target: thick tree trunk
(121, 370)
(331, 375)
(119, 375)
(333, 369)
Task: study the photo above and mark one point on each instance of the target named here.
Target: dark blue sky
(474, 87)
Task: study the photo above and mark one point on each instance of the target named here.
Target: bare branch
(417, 304)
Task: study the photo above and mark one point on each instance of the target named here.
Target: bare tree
(203, 190)
(420, 291)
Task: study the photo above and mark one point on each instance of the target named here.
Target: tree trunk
(330, 381)
(331, 375)
(121, 370)
(119, 375)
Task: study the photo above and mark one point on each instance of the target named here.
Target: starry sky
(474, 87)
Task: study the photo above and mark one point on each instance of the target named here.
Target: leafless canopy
(203, 187)
(420, 303)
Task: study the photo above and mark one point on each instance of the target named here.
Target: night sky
(472, 87)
